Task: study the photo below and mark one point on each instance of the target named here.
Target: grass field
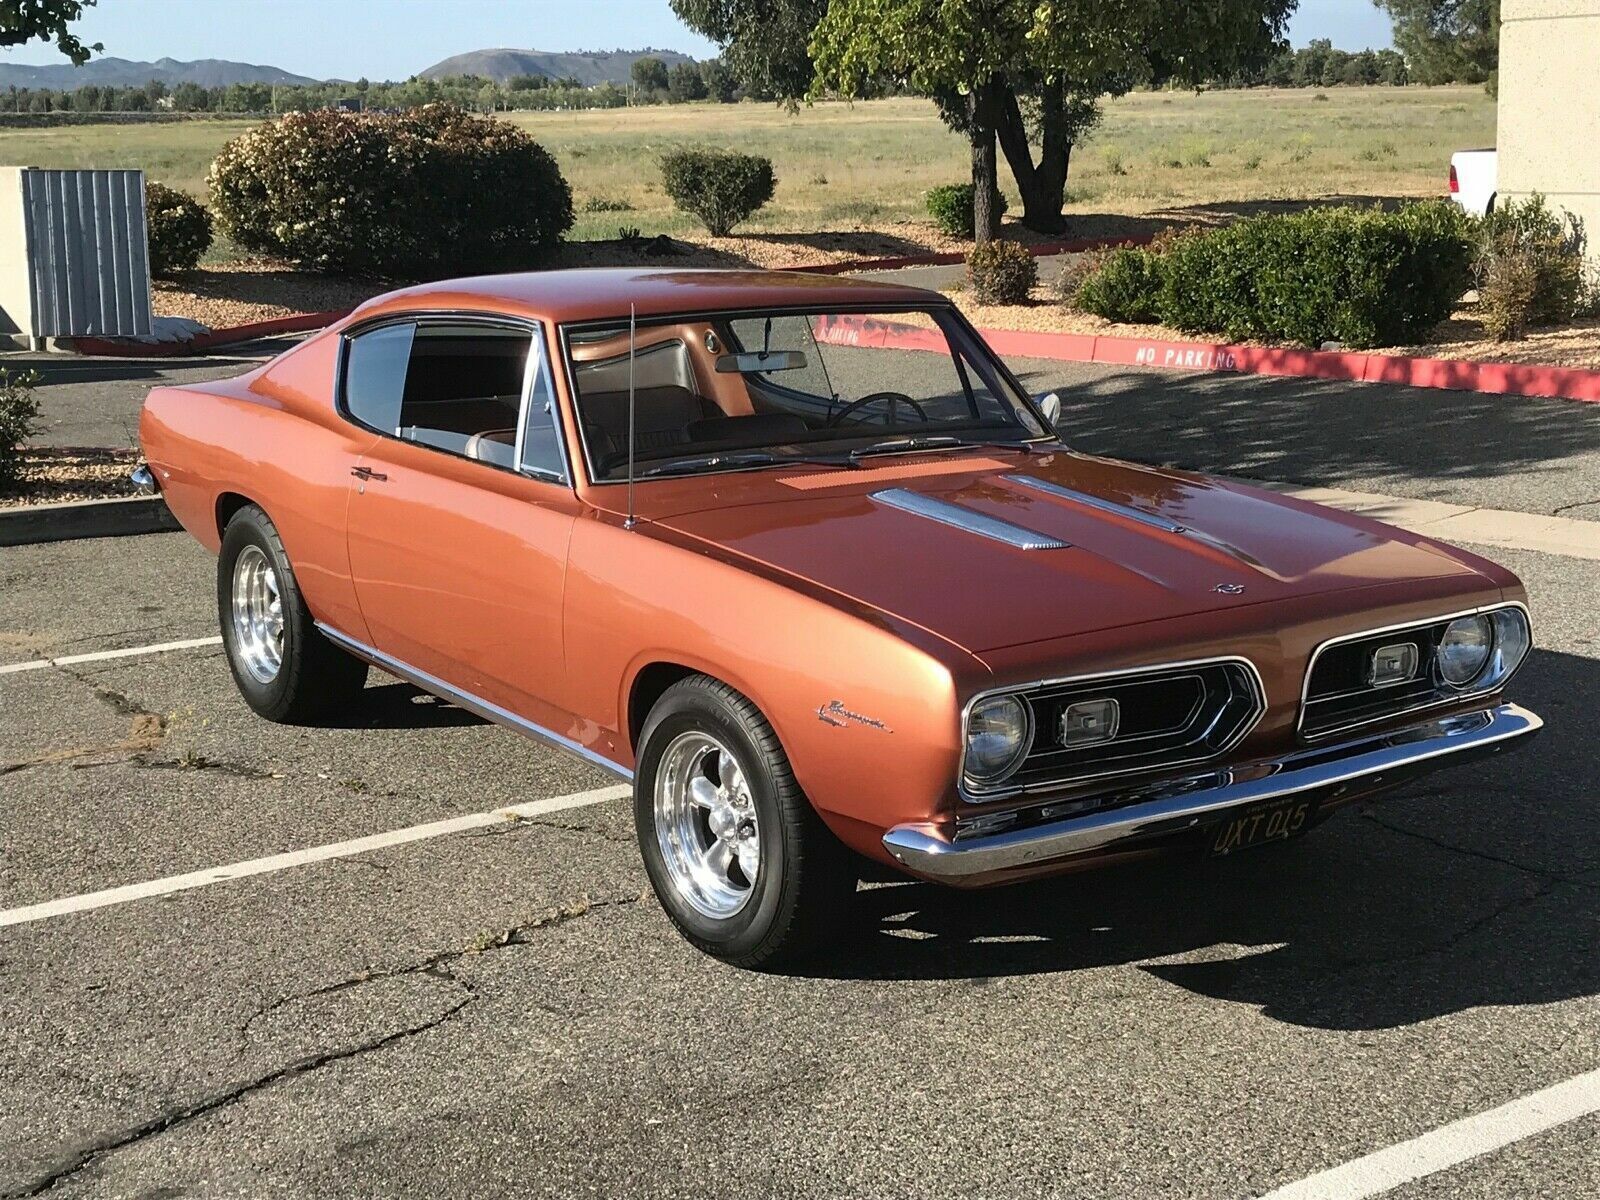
(852, 166)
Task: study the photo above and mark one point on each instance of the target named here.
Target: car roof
(596, 293)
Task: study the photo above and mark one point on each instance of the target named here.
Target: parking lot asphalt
(1502, 452)
(505, 1010)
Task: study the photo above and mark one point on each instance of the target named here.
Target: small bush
(1075, 271)
(1530, 267)
(1362, 277)
(951, 207)
(178, 230)
(420, 192)
(1001, 272)
(1507, 293)
(605, 204)
(720, 187)
(19, 411)
(1126, 288)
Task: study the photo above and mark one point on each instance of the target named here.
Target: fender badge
(1229, 589)
(836, 714)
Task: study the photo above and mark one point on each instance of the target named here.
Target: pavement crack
(1561, 508)
(1451, 847)
(200, 762)
(175, 1117)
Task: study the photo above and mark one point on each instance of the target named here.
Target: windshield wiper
(944, 441)
(735, 459)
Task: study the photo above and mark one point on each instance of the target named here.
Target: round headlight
(1464, 650)
(997, 738)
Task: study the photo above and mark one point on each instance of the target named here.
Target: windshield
(744, 390)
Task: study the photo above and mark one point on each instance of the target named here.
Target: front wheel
(285, 669)
(738, 858)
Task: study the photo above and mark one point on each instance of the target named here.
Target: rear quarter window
(375, 370)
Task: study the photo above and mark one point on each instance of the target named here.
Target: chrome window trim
(1457, 695)
(980, 795)
(536, 333)
(960, 517)
(486, 709)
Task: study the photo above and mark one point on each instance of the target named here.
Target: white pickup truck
(1472, 180)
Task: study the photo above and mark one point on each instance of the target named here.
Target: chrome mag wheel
(706, 825)
(257, 615)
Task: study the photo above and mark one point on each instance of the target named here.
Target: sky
(393, 39)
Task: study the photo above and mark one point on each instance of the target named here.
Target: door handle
(367, 473)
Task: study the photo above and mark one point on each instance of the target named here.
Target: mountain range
(601, 66)
(122, 72)
(591, 68)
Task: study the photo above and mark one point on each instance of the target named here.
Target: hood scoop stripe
(1107, 506)
(965, 518)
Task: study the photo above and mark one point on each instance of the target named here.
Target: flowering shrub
(179, 230)
(427, 191)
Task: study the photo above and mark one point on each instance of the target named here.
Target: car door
(461, 513)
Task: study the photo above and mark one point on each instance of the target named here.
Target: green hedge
(721, 187)
(1360, 277)
(427, 191)
(178, 230)
(951, 207)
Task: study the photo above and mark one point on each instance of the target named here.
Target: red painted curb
(230, 335)
(1505, 379)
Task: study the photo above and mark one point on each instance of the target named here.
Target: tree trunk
(985, 169)
(1043, 185)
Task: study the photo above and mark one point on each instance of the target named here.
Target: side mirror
(1050, 405)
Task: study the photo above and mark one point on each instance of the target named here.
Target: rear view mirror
(757, 363)
(1050, 405)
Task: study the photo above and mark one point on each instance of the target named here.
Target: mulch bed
(53, 476)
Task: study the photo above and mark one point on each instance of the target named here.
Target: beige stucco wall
(16, 296)
(1549, 119)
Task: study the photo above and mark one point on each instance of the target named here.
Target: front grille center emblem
(1229, 589)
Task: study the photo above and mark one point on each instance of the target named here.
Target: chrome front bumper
(981, 846)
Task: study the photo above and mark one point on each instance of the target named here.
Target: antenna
(632, 325)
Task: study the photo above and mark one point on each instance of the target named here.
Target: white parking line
(66, 660)
(1451, 1144)
(298, 858)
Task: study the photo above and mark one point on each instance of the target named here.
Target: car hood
(989, 553)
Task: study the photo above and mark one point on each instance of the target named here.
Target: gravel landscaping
(52, 476)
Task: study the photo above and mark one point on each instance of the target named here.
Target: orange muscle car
(801, 559)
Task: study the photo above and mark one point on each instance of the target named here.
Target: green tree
(23, 21)
(649, 76)
(685, 83)
(1447, 41)
(765, 43)
(1030, 73)
(720, 83)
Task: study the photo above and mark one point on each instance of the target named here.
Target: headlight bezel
(1019, 752)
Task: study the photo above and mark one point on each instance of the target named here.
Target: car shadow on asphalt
(1479, 887)
(401, 706)
(1326, 431)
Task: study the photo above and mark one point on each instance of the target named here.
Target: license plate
(1269, 823)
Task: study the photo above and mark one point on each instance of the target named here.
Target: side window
(375, 376)
(541, 437)
(463, 390)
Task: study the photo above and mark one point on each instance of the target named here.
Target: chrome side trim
(1409, 626)
(1095, 502)
(958, 517)
(473, 704)
(1176, 806)
(1001, 791)
(144, 480)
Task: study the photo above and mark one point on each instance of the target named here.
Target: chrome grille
(1170, 716)
(1339, 694)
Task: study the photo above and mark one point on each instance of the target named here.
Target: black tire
(802, 894)
(315, 677)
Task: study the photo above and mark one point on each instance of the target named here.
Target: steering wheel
(893, 399)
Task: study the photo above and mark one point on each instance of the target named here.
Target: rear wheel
(740, 861)
(284, 668)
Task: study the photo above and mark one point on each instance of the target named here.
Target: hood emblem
(1229, 589)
